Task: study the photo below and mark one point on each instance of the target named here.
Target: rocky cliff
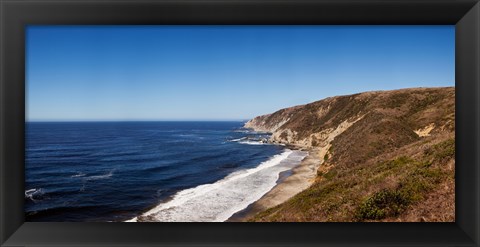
(358, 136)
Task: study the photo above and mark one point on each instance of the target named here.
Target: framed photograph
(228, 123)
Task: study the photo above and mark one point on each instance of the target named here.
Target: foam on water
(96, 177)
(218, 201)
(250, 131)
(249, 141)
(253, 143)
(239, 139)
(34, 194)
(80, 174)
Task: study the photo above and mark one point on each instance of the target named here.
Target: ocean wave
(258, 140)
(34, 194)
(80, 174)
(103, 176)
(250, 142)
(218, 201)
(239, 139)
(252, 132)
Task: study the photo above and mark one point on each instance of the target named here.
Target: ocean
(147, 171)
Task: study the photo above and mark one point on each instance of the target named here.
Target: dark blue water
(113, 171)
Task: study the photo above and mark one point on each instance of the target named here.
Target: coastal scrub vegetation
(380, 168)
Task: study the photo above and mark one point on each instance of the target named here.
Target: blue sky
(222, 72)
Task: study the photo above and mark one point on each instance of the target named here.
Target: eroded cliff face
(415, 113)
(384, 156)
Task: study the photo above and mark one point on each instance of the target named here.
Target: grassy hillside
(388, 156)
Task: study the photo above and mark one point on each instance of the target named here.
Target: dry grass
(405, 188)
(379, 169)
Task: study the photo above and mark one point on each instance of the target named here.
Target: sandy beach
(290, 183)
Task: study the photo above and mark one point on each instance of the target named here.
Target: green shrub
(442, 151)
(445, 150)
(394, 165)
(382, 204)
(400, 161)
(329, 175)
(325, 158)
(412, 188)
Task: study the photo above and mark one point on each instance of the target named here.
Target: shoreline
(277, 165)
(302, 176)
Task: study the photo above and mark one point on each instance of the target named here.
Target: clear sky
(222, 72)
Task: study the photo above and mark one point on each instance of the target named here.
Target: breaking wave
(34, 194)
(250, 142)
(103, 176)
(220, 200)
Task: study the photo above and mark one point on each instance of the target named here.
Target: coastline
(302, 176)
(218, 201)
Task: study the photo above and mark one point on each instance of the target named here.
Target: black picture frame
(16, 14)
